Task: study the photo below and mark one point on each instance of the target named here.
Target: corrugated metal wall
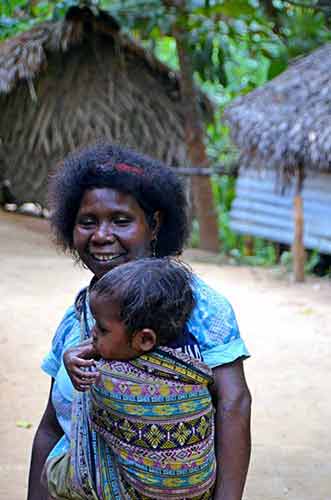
(260, 209)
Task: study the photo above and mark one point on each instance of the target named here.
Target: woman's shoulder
(213, 316)
(213, 323)
(208, 299)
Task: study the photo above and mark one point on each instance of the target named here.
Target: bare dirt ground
(286, 327)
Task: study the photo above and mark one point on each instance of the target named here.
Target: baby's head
(140, 305)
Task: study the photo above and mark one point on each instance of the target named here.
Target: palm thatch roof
(287, 122)
(65, 84)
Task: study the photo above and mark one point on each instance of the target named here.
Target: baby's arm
(80, 365)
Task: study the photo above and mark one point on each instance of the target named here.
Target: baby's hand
(80, 364)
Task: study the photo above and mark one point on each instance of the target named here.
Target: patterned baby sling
(144, 431)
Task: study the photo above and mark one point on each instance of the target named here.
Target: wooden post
(298, 249)
(248, 245)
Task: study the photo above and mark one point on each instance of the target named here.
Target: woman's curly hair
(154, 186)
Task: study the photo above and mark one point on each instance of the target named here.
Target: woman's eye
(86, 221)
(122, 221)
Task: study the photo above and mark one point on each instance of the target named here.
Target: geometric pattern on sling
(155, 435)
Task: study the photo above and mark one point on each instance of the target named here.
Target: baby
(145, 429)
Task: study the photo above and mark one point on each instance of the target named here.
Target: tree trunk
(201, 185)
(298, 249)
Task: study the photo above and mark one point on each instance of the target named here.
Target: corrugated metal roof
(261, 209)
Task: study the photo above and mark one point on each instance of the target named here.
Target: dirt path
(286, 326)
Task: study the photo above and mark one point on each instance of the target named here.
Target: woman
(110, 206)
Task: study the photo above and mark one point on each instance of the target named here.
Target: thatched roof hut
(65, 84)
(287, 122)
(286, 126)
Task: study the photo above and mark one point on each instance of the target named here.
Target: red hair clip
(124, 167)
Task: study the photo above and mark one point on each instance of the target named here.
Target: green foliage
(20, 15)
(165, 50)
(304, 30)
(224, 193)
(311, 262)
(195, 234)
(286, 260)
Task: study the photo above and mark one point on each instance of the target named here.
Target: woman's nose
(103, 234)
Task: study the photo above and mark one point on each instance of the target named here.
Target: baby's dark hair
(150, 293)
(154, 186)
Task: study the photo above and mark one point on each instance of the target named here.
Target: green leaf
(23, 424)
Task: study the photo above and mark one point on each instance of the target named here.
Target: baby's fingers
(84, 375)
(80, 362)
(83, 383)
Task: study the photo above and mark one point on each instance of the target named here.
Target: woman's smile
(110, 229)
(106, 257)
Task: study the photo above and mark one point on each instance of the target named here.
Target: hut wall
(93, 91)
(261, 209)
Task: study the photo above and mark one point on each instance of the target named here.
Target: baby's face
(110, 339)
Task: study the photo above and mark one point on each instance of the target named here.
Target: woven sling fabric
(155, 413)
(144, 431)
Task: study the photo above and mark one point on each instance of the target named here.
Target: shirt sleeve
(214, 325)
(52, 361)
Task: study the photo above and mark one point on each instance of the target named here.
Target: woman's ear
(144, 340)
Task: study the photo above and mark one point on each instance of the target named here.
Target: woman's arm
(47, 435)
(233, 438)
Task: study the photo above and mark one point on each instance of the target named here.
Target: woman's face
(110, 229)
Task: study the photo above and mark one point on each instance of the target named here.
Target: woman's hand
(79, 362)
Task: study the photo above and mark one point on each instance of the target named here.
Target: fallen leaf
(23, 424)
(307, 311)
